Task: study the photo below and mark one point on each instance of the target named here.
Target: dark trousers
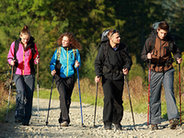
(25, 85)
(113, 108)
(65, 87)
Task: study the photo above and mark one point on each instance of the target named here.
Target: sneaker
(173, 123)
(64, 124)
(154, 127)
(118, 126)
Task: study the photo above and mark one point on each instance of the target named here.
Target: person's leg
(63, 102)
(29, 89)
(19, 110)
(155, 94)
(117, 104)
(69, 89)
(172, 110)
(108, 103)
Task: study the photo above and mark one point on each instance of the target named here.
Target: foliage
(136, 70)
(86, 19)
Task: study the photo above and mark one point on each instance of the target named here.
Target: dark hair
(72, 40)
(163, 25)
(111, 32)
(25, 30)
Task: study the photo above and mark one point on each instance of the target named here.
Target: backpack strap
(16, 48)
(74, 53)
(58, 53)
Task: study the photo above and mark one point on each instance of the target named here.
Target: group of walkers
(112, 64)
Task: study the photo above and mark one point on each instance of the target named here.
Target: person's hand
(53, 72)
(97, 79)
(37, 59)
(149, 56)
(12, 62)
(125, 71)
(179, 60)
(77, 64)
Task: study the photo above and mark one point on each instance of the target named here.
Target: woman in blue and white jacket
(63, 63)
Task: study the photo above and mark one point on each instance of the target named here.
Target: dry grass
(3, 94)
(4, 101)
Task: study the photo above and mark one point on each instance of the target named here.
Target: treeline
(47, 19)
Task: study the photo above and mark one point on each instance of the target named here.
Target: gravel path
(37, 127)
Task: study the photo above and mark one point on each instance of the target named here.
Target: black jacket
(109, 63)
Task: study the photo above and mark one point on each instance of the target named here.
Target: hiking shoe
(18, 120)
(25, 123)
(60, 120)
(64, 124)
(173, 123)
(154, 127)
(107, 126)
(117, 127)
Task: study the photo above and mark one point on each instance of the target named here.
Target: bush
(136, 70)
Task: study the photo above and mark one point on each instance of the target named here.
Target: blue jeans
(157, 78)
(25, 87)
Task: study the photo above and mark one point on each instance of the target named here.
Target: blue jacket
(67, 60)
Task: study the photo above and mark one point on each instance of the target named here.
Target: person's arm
(36, 55)
(99, 62)
(128, 61)
(176, 52)
(145, 54)
(10, 56)
(78, 59)
(53, 63)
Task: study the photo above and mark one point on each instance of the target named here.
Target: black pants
(65, 87)
(24, 98)
(113, 108)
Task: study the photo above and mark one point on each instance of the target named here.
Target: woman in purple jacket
(22, 56)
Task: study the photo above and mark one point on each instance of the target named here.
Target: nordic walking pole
(50, 100)
(149, 80)
(38, 89)
(130, 102)
(10, 87)
(95, 103)
(80, 95)
(180, 92)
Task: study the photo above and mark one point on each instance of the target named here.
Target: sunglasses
(114, 31)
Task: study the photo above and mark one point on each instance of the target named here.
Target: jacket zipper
(23, 61)
(67, 62)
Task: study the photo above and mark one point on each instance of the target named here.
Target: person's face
(65, 41)
(24, 38)
(115, 38)
(161, 33)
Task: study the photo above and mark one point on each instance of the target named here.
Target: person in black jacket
(111, 64)
(158, 50)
